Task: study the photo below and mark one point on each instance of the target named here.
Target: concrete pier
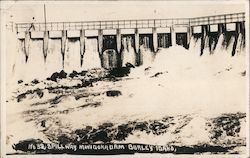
(137, 41)
(100, 41)
(155, 40)
(82, 42)
(189, 35)
(118, 40)
(63, 44)
(173, 36)
(45, 44)
(26, 45)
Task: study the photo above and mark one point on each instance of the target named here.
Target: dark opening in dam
(164, 40)
(181, 39)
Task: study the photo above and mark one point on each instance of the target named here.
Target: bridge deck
(132, 24)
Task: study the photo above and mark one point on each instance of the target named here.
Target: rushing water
(91, 57)
(128, 53)
(37, 66)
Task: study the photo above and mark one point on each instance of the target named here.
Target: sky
(19, 12)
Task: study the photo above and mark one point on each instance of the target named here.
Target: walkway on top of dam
(132, 24)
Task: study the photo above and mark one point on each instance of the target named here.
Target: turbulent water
(176, 97)
(128, 53)
(21, 69)
(91, 57)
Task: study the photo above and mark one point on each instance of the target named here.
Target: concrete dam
(110, 44)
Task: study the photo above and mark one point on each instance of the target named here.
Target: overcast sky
(112, 10)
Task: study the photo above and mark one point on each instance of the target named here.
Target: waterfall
(72, 59)
(54, 57)
(197, 47)
(230, 45)
(239, 46)
(147, 56)
(192, 43)
(219, 46)
(35, 65)
(128, 53)
(91, 57)
(19, 64)
(206, 50)
(213, 45)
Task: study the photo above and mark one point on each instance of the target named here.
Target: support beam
(82, 42)
(204, 33)
(82, 45)
(45, 44)
(118, 40)
(238, 31)
(221, 28)
(155, 40)
(238, 27)
(63, 44)
(26, 45)
(100, 41)
(242, 28)
(137, 44)
(189, 34)
(173, 36)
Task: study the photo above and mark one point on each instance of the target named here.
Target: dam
(113, 40)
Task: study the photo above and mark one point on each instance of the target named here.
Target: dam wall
(110, 44)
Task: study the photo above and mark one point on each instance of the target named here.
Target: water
(195, 45)
(219, 47)
(54, 62)
(91, 57)
(239, 47)
(37, 67)
(128, 53)
(230, 45)
(72, 59)
(206, 50)
(36, 64)
(192, 43)
(147, 56)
